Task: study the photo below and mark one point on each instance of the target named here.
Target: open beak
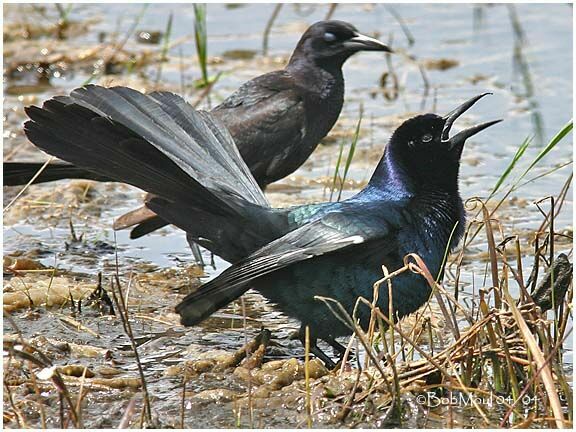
(459, 139)
(362, 42)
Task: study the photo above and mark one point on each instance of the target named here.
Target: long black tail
(159, 143)
(20, 173)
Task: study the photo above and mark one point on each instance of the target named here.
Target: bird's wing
(258, 89)
(328, 234)
(333, 232)
(267, 119)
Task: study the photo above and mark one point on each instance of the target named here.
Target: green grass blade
(520, 152)
(165, 46)
(201, 39)
(559, 167)
(351, 151)
(555, 140)
(511, 166)
(167, 35)
(64, 13)
(337, 170)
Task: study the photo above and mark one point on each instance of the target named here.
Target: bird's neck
(438, 202)
(321, 81)
(415, 178)
(389, 175)
(441, 213)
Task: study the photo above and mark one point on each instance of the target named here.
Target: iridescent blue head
(423, 149)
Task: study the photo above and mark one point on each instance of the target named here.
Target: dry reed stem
(545, 372)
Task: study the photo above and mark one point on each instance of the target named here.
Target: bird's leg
(314, 349)
(196, 252)
(328, 362)
(338, 348)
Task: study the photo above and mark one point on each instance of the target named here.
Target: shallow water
(496, 48)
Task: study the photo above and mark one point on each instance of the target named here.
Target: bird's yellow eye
(427, 138)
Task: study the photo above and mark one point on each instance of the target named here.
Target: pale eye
(411, 143)
(329, 37)
(427, 138)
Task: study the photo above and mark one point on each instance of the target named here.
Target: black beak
(459, 139)
(362, 42)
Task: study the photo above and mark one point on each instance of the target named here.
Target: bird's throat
(318, 82)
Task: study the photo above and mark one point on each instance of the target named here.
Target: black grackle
(188, 160)
(276, 119)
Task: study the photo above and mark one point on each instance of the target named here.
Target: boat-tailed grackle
(188, 160)
(276, 119)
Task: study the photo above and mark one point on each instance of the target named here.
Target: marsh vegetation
(91, 338)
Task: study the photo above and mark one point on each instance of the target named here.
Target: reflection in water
(481, 53)
(521, 66)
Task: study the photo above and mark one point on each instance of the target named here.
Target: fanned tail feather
(21, 173)
(157, 143)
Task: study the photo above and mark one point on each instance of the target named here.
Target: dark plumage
(276, 119)
(20, 173)
(188, 161)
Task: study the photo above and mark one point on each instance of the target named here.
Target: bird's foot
(328, 362)
(314, 349)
